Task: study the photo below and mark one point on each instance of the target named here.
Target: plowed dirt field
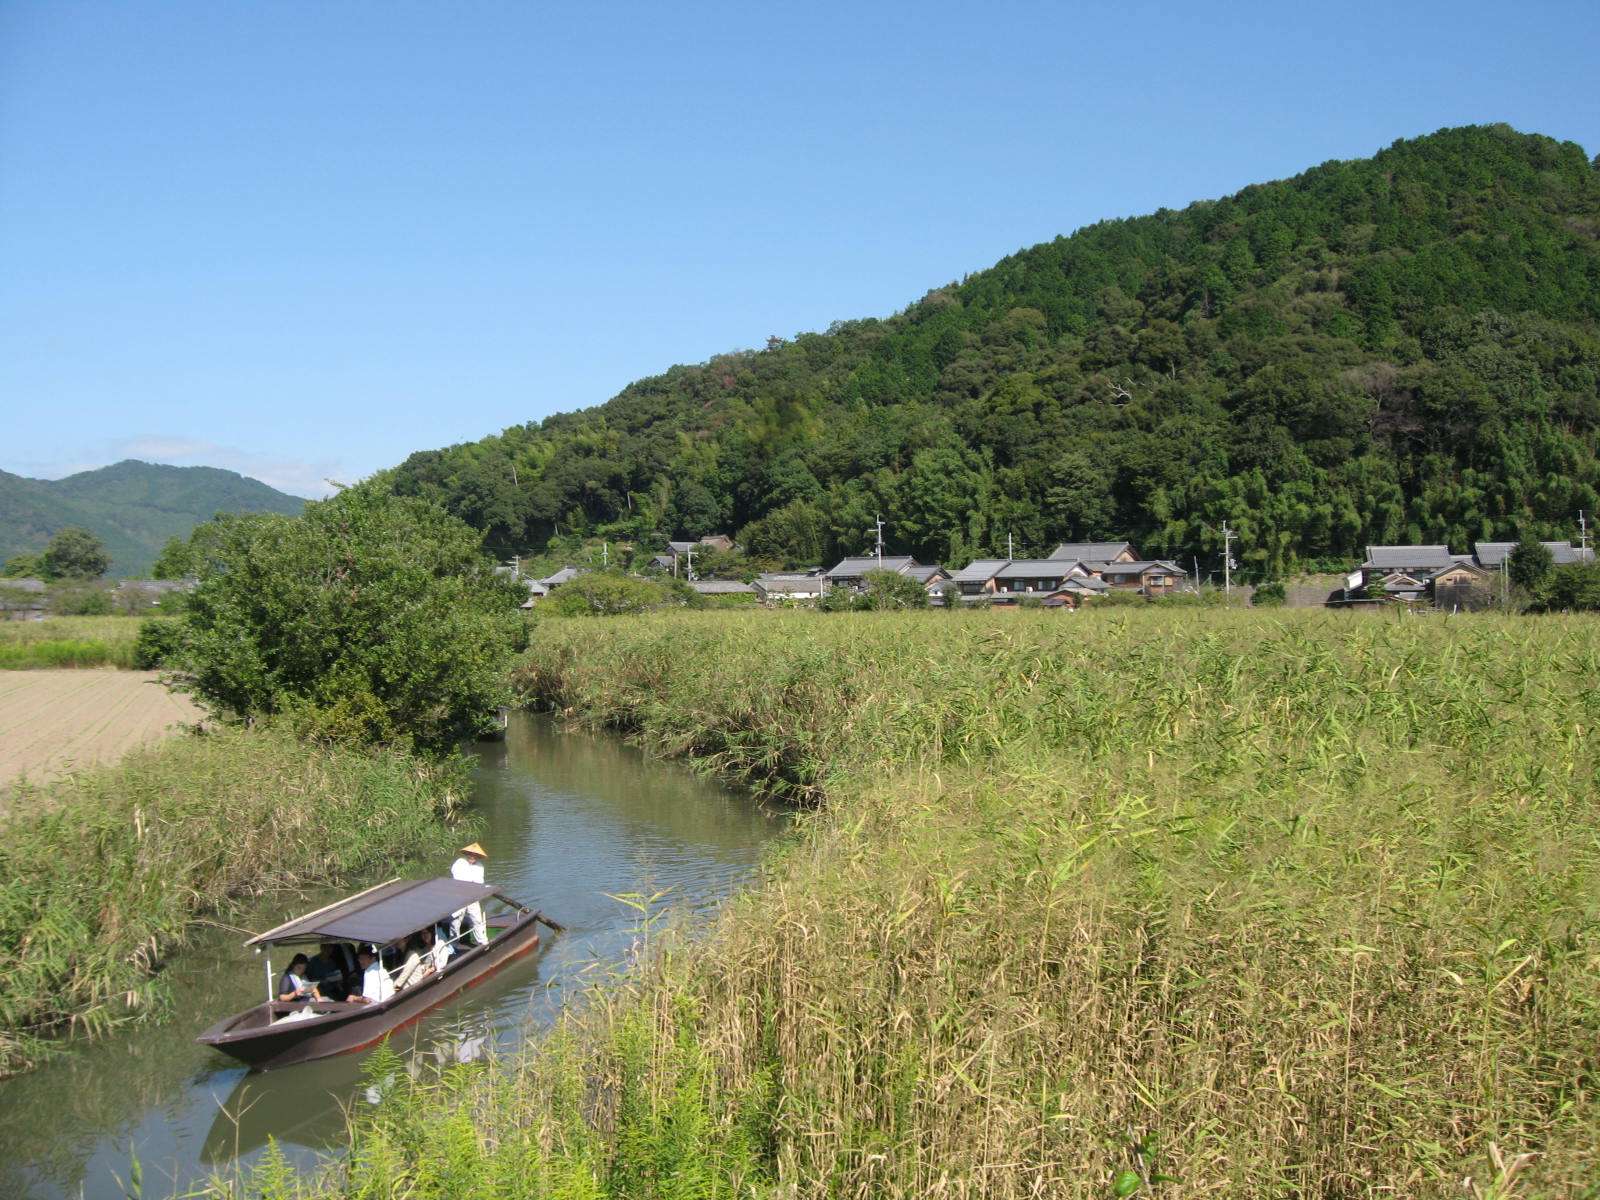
(53, 722)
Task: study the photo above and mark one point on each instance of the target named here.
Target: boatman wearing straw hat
(468, 866)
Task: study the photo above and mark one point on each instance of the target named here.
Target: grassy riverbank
(68, 642)
(1294, 903)
(104, 873)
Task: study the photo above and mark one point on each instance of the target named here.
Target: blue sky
(303, 240)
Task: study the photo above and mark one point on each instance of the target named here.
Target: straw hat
(474, 848)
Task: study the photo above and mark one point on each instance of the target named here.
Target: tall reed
(1132, 902)
(103, 874)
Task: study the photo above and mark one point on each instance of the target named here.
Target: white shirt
(470, 872)
(376, 984)
(440, 955)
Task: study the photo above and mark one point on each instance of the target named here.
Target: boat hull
(342, 1027)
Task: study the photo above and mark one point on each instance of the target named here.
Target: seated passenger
(416, 966)
(326, 973)
(293, 984)
(433, 950)
(376, 986)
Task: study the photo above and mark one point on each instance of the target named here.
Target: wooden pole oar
(544, 920)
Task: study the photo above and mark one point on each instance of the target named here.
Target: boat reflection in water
(316, 1119)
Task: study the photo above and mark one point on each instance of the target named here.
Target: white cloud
(298, 477)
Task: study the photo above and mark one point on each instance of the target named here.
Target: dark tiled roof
(720, 587)
(851, 568)
(1033, 568)
(1492, 554)
(809, 585)
(980, 570)
(1391, 558)
(1158, 565)
(925, 574)
(1092, 551)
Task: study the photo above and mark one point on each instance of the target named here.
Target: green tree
(75, 553)
(886, 590)
(176, 560)
(371, 618)
(613, 594)
(1572, 588)
(1528, 563)
(23, 566)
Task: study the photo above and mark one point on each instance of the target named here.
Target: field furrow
(52, 722)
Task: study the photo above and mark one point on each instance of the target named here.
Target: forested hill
(1396, 348)
(133, 507)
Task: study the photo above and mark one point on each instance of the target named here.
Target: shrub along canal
(568, 817)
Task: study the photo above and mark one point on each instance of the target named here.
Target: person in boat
(468, 867)
(294, 985)
(326, 971)
(433, 950)
(376, 986)
(418, 964)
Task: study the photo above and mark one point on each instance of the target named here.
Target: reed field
(1133, 902)
(104, 873)
(68, 642)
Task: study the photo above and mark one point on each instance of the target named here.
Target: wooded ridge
(1404, 348)
(133, 507)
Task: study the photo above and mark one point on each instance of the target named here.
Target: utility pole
(690, 553)
(877, 530)
(1227, 559)
(605, 555)
(1583, 536)
(1010, 553)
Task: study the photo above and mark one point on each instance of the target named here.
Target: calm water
(568, 819)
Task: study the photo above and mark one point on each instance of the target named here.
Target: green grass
(1267, 904)
(104, 874)
(68, 642)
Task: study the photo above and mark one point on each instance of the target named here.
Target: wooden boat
(279, 1033)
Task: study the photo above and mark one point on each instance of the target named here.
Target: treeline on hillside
(1403, 348)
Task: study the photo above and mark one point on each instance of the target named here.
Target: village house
(932, 579)
(22, 599)
(147, 593)
(1151, 577)
(1025, 576)
(538, 589)
(1490, 555)
(686, 550)
(852, 572)
(721, 587)
(978, 577)
(1416, 574)
(798, 587)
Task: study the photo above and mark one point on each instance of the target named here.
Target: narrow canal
(568, 819)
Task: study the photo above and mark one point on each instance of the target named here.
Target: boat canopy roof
(382, 914)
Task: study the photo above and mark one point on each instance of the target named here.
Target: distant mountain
(133, 507)
(1399, 348)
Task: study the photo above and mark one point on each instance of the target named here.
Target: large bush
(613, 594)
(371, 617)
